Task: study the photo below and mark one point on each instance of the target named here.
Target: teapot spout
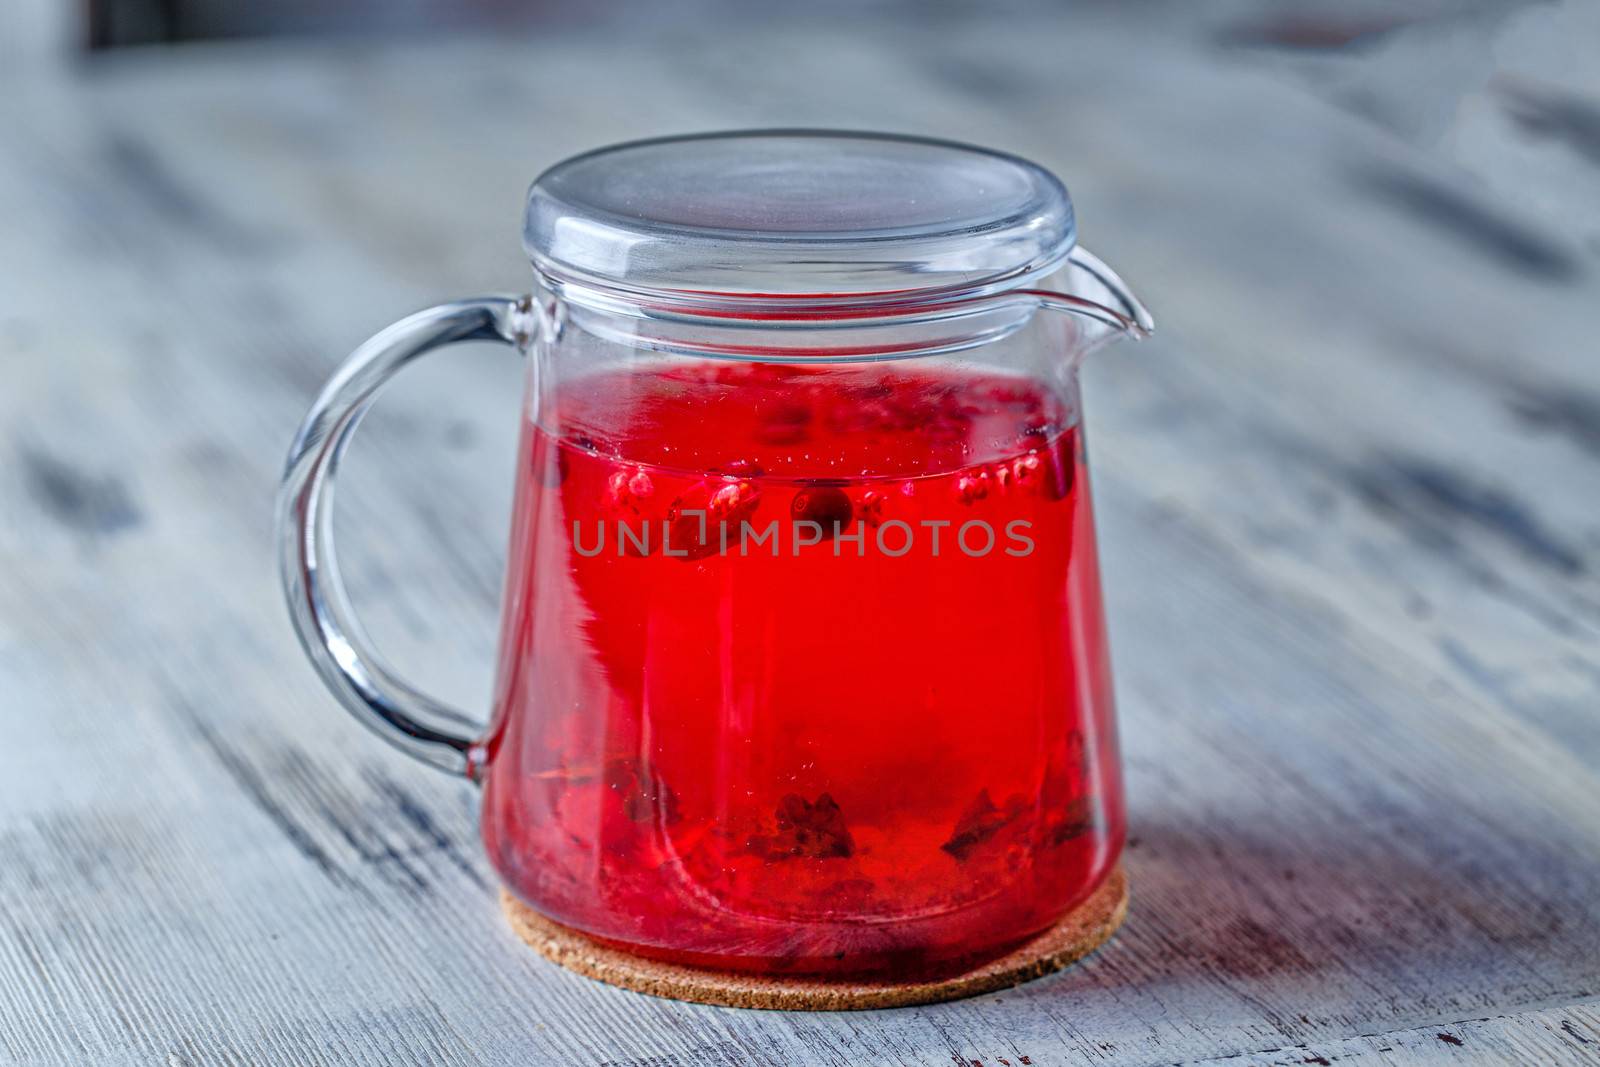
(1092, 286)
(1101, 306)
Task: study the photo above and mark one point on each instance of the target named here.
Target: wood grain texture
(1348, 507)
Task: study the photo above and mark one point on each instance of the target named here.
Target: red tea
(804, 668)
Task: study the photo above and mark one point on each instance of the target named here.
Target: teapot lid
(793, 220)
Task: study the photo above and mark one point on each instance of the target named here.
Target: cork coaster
(1084, 929)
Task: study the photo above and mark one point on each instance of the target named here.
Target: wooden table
(1348, 507)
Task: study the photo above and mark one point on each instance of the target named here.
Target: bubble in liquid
(1039, 429)
(740, 468)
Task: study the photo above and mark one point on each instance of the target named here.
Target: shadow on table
(1365, 925)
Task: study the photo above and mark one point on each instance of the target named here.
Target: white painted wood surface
(1350, 508)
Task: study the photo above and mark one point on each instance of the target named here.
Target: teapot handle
(323, 617)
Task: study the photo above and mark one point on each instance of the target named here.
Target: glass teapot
(802, 666)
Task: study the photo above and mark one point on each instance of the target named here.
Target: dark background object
(115, 23)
